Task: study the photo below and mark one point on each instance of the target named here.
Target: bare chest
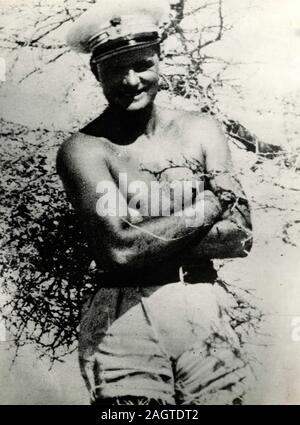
(159, 160)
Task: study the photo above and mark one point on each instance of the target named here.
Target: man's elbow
(245, 243)
(244, 235)
(239, 239)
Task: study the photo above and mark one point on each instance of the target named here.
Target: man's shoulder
(192, 118)
(80, 150)
(201, 121)
(207, 128)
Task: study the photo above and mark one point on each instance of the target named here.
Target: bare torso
(169, 154)
(181, 146)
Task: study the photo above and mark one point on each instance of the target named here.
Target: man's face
(130, 79)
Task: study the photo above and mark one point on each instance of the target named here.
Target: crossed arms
(224, 231)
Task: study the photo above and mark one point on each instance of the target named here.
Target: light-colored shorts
(174, 343)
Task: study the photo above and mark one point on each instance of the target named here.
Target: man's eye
(143, 66)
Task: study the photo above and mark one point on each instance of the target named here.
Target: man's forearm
(225, 240)
(228, 238)
(140, 243)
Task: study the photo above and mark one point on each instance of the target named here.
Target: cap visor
(130, 47)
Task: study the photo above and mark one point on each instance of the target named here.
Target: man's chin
(134, 105)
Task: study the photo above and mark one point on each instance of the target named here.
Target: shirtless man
(154, 330)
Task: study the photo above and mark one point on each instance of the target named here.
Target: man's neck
(136, 123)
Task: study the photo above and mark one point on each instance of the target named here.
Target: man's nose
(131, 78)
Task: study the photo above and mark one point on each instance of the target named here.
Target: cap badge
(115, 21)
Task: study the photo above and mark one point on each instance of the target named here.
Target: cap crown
(106, 25)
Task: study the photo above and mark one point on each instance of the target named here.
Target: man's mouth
(135, 94)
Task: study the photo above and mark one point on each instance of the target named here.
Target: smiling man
(156, 329)
(130, 80)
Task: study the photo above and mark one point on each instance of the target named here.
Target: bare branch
(220, 27)
(40, 69)
(55, 27)
(205, 6)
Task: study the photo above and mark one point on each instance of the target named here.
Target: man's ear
(160, 51)
(94, 69)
